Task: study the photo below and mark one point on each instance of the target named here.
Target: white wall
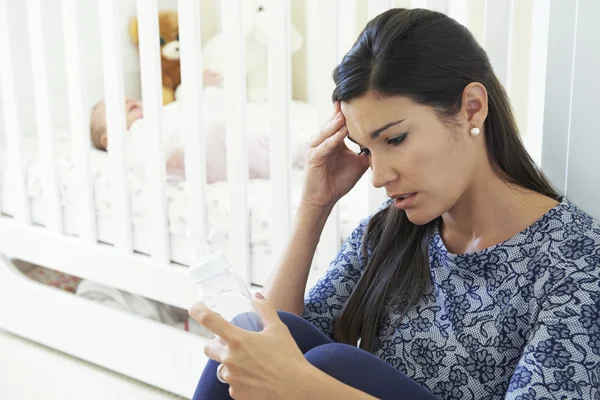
(571, 142)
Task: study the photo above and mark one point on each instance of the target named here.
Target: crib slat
(418, 3)
(348, 28)
(559, 91)
(236, 143)
(46, 135)
(438, 5)
(192, 120)
(80, 122)
(376, 7)
(312, 51)
(279, 67)
(152, 101)
(328, 32)
(115, 122)
(498, 35)
(12, 124)
(459, 10)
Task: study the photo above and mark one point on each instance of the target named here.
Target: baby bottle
(221, 289)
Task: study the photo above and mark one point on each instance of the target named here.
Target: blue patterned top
(519, 320)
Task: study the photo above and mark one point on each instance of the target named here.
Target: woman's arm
(287, 283)
(562, 357)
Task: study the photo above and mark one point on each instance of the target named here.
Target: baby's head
(133, 112)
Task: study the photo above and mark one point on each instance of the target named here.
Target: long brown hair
(429, 58)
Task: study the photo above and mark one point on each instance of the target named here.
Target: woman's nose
(382, 174)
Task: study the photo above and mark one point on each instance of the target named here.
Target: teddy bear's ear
(133, 29)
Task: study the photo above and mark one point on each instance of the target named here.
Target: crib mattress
(352, 208)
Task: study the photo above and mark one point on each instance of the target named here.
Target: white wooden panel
(583, 170)
(237, 146)
(122, 342)
(80, 123)
(11, 118)
(115, 122)
(498, 36)
(192, 120)
(45, 128)
(327, 25)
(558, 90)
(279, 67)
(152, 102)
(376, 7)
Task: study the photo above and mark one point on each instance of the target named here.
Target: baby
(173, 139)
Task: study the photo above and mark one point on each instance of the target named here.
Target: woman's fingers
(336, 109)
(268, 314)
(215, 350)
(328, 129)
(215, 323)
(327, 146)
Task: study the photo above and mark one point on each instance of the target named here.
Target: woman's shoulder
(573, 238)
(577, 228)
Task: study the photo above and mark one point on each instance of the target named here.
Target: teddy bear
(256, 30)
(169, 51)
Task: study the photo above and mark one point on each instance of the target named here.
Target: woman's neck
(491, 212)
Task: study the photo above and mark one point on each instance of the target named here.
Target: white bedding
(352, 208)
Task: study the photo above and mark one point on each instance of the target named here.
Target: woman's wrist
(310, 217)
(317, 212)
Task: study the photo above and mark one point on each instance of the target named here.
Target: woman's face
(413, 153)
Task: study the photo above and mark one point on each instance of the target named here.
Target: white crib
(546, 53)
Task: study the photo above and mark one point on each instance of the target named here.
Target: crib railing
(114, 97)
(332, 27)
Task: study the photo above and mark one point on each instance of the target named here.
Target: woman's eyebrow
(376, 132)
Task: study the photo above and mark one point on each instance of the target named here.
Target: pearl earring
(475, 131)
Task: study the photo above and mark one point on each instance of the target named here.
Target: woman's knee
(289, 318)
(333, 356)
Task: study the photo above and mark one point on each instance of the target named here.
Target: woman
(476, 280)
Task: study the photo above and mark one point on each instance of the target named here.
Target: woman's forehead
(369, 113)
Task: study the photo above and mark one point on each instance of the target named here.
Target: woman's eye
(364, 151)
(397, 140)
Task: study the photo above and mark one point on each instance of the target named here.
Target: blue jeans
(348, 364)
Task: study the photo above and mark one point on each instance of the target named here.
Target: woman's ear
(104, 141)
(475, 104)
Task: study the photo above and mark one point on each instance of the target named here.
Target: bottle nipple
(200, 248)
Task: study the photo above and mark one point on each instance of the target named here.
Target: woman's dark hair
(430, 59)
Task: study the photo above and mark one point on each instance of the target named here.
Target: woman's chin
(418, 217)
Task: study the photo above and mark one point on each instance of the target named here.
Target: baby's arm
(211, 78)
(176, 163)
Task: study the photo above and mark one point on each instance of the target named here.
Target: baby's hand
(176, 163)
(211, 78)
